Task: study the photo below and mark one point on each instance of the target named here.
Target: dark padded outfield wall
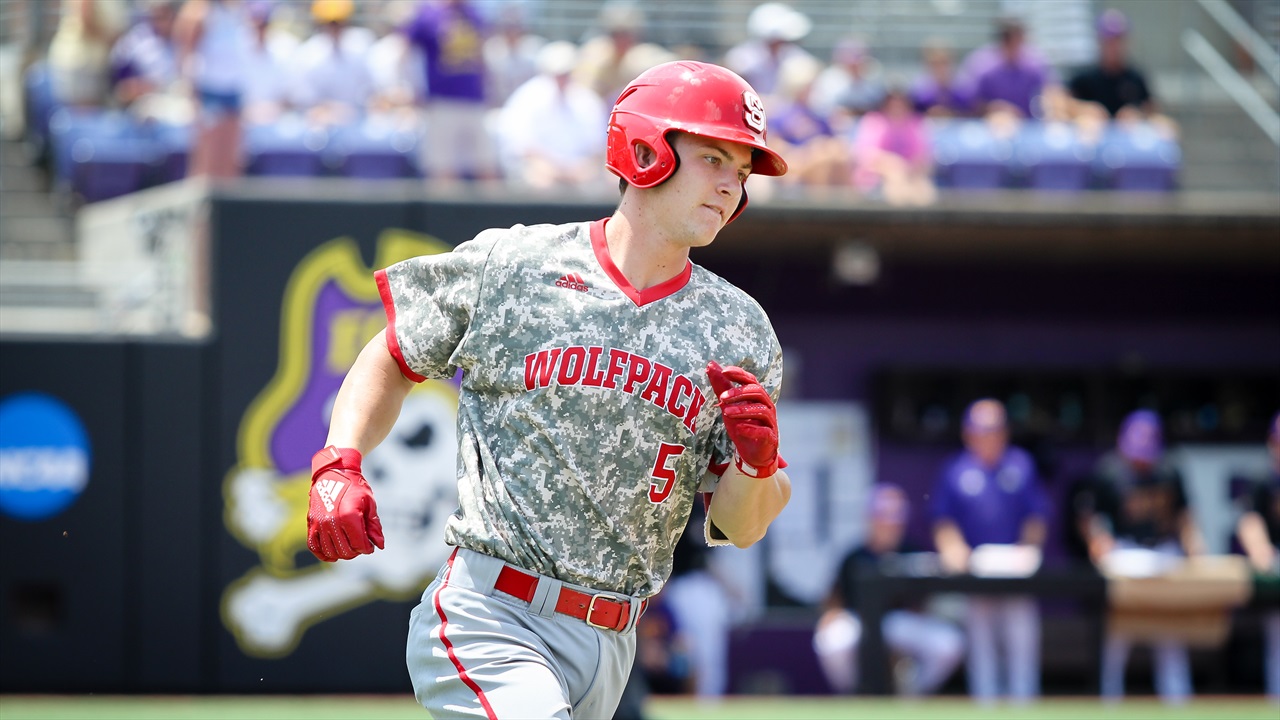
(101, 498)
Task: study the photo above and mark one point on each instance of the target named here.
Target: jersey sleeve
(430, 301)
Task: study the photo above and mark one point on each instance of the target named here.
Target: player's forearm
(953, 550)
(369, 400)
(743, 506)
(1252, 531)
(1192, 540)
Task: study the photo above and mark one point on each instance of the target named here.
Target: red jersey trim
(639, 297)
(393, 344)
(453, 656)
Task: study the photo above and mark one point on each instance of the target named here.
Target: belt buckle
(591, 608)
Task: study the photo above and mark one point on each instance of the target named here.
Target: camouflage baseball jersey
(586, 423)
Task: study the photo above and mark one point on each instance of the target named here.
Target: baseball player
(991, 494)
(606, 382)
(932, 646)
(1138, 500)
(1258, 530)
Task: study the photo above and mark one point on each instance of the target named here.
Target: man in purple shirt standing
(1008, 74)
(990, 494)
(451, 35)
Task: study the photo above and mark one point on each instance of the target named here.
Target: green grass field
(381, 707)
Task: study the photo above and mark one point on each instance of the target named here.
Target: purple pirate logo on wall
(330, 311)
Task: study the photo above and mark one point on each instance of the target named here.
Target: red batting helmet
(693, 97)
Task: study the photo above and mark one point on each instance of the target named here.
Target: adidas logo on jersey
(329, 491)
(573, 281)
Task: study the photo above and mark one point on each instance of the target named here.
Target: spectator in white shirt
(395, 64)
(552, 129)
(774, 29)
(332, 85)
(510, 54)
(266, 89)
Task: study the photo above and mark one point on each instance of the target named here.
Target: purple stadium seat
(1139, 158)
(284, 149)
(970, 157)
(67, 126)
(1053, 157)
(99, 154)
(106, 169)
(374, 149)
(173, 148)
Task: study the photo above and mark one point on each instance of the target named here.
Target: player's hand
(342, 521)
(750, 418)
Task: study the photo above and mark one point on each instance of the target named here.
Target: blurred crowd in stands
(157, 89)
(989, 515)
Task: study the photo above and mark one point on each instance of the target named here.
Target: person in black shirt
(1258, 531)
(929, 648)
(1113, 83)
(1137, 501)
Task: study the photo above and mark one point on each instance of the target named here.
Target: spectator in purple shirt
(142, 60)
(1009, 75)
(815, 154)
(938, 91)
(990, 495)
(451, 36)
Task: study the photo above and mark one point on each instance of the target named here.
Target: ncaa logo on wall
(44, 456)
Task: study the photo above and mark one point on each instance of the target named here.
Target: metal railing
(1262, 53)
(1237, 87)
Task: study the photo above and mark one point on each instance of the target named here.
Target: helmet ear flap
(662, 166)
(626, 132)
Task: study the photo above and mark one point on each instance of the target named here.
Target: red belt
(599, 610)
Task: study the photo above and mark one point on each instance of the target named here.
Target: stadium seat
(99, 154)
(173, 148)
(103, 170)
(1051, 156)
(1139, 158)
(287, 148)
(373, 149)
(970, 157)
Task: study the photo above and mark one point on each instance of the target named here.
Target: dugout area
(127, 589)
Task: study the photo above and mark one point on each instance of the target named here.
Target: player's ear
(646, 156)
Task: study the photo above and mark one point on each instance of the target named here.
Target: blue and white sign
(44, 456)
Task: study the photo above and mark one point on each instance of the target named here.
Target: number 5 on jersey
(664, 476)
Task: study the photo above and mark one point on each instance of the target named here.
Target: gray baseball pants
(476, 652)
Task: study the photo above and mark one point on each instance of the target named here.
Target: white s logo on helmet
(753, 111)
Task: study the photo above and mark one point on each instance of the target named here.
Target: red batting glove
(342, 521)
(749, 417)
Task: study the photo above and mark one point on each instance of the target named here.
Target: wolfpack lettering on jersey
(593, 367)
(549, 332)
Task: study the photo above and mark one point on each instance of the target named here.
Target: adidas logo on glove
(330, 490)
